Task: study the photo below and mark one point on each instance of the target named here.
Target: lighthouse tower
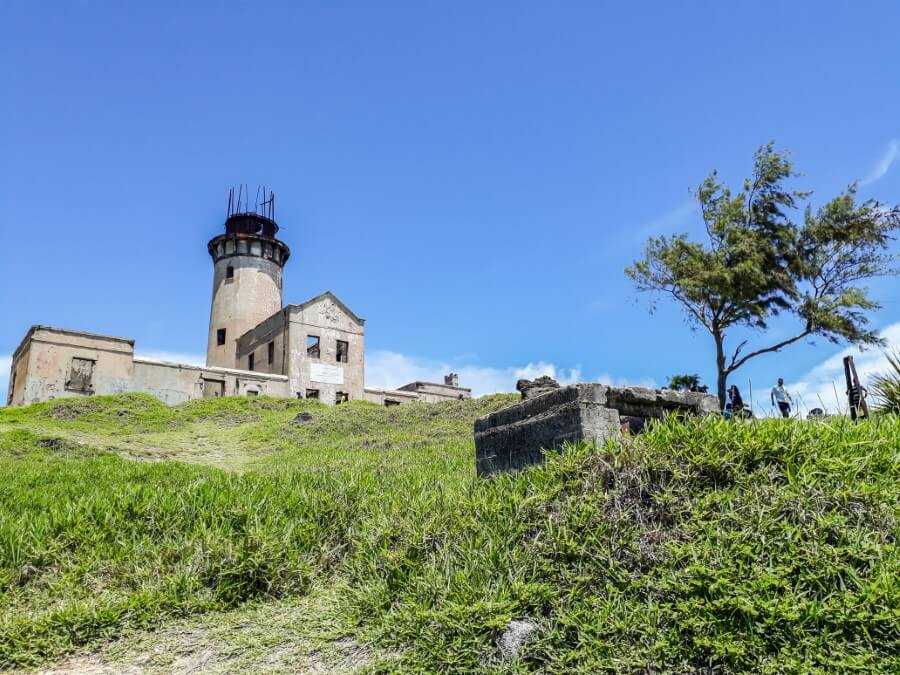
(248, 260)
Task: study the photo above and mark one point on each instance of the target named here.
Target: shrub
(886, 386)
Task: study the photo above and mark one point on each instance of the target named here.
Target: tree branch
(765, 350)
(737, 353)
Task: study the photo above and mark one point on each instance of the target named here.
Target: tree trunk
(721, 388)
(721, 373)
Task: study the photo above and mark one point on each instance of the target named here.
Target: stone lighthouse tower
(247, 277)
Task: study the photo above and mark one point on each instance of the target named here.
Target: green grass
(766, 546)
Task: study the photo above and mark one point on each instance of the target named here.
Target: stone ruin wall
(550, 416)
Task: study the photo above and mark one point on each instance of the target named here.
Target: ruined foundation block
(518, 436)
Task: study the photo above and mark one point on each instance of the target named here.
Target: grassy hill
(266, 535)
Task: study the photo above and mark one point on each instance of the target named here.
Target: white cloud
(891, 152)
(174, 357)
(612, 381)
(386, 370)
(824, 386)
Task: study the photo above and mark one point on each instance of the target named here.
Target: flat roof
(212, 369)
(68, 331)
(437, 384)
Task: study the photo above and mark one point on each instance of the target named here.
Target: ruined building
(256, 345)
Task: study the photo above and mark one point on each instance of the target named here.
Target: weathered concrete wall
(519, 435)
(432, 392)
(174, 383)
(17, 375)
(327, 318)
(389, 396)
(43, 370)
(250, 295)
(42, 365)
(657, 403)
(256, 341)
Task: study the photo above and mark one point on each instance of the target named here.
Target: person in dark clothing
(737, 403)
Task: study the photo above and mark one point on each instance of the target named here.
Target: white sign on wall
(326, 373)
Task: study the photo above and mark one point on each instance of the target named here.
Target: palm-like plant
(886, 386)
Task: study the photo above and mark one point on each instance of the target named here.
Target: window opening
(81, 375)
(343, 349)
(312, 346)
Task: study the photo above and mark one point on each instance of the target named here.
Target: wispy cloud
(387, 369)
(824, 386)
(679, 217)
(891, 152)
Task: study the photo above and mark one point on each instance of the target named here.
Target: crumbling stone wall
(519, 435)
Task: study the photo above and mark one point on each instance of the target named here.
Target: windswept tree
(756, 261)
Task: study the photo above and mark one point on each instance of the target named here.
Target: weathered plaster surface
(175, 383)
(327, 318)
(43, 361)
(240, 303)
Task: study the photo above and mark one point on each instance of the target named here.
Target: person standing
(781, 396)
(737, 402)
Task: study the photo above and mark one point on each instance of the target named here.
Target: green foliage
(686, 382)
(756, 262)
(886, 386)
(764, 547)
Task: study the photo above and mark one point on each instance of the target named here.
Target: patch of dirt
(194, 651)
(232, 420)
(91, 664)
(65, 413)
(293, 636)
(303, 418)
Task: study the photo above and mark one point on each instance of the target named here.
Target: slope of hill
(272, 535)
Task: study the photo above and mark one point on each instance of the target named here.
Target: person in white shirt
(781, 396)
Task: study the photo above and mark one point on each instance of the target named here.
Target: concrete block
(657, 403)
(518, 436)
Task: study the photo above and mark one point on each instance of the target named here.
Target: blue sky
(471, 178)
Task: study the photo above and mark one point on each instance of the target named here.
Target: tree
(686, 382)
(756, 262)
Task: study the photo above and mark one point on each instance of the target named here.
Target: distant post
(859, 409)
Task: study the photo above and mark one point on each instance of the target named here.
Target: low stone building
(55, 362)
(432, 392)
(256, 345)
